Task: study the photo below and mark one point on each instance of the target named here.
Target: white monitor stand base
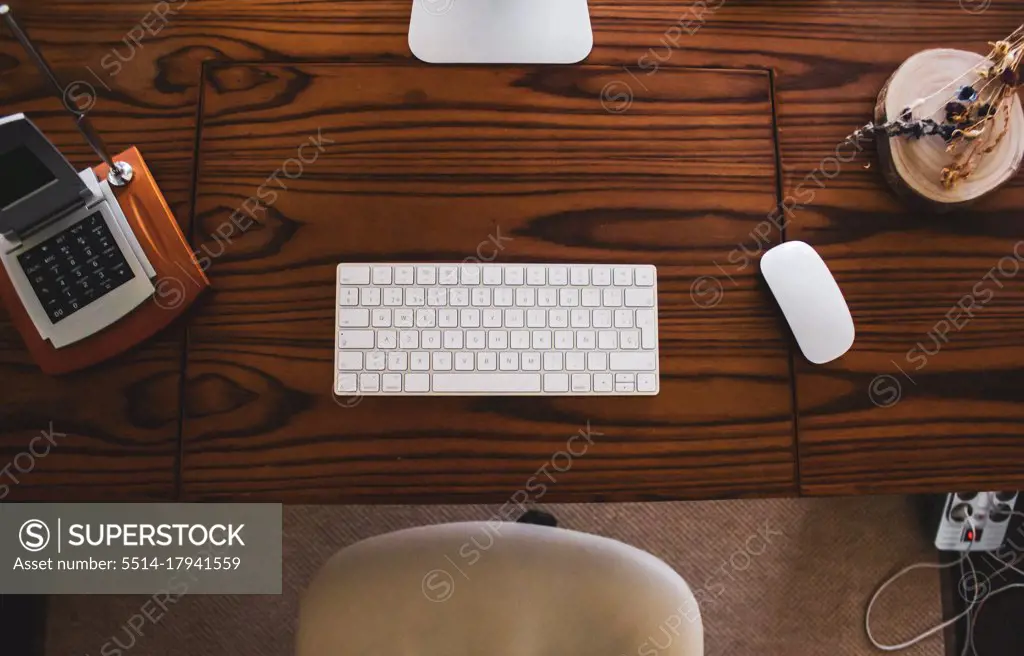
(500, 31)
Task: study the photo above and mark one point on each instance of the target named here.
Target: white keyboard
(496, 330)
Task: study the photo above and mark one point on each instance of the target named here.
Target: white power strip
(988, 514)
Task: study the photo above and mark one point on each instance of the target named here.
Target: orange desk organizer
(179, 280)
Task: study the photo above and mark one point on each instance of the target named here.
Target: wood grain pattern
(517, 164)
(958, 421)
(120, 419)
(958, 427)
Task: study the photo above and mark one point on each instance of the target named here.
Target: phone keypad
(77, 267)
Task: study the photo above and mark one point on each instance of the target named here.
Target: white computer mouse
(810, 299)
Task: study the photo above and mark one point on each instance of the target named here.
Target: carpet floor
(787, 577)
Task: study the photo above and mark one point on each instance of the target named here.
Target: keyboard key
(586, 339)
(638, 361)
(404, 318)
(579, 276)
(575, 361)
(536, 319)
(347, 384)
(464, 361)
(430, 339)
(417, 383)
(536, 276)
(419, 361)
(448, 318)
(470, 275)
(354, 275)
(565, 339)
(382, 275)
(405, 275)
(602, 318)
(376, 361)
(601, 276)
(448, 275)
(622, 276)
(459, 297)
(581, 382)
(645, 276)
(489, 383)
(623, 318)
(515, 318)
(612, 298)
(469, 318)
(629, 339)
(426, 318)
(552, 361)
(453, 339)
(359, 318)
(579, 318)
(590, 297)
(646, 383)
(348, 297)
(542, 340)
(355, 339)
(481, 296)
(350, 361)
(526, 297)
(497, 340)
(556, 382)
(392, 383)
(597, 361)
(492, 275)
(414, 296)
(387, 339)
(607, 340)
(547, 297)
(426, 275)
(520, 339)
(486, 361)
(381, 318)
(398, 361)
(558, 276)
(476, 339)
(569, 297)
(369, 296)
(393, 296)
(503, 297)
(508, 361)
(531, 361)
(558, 318)
(369, 382)
(409, 339)
(515, 275)
(437, 297)
(639, 298)
(604, 383)
(442, 361)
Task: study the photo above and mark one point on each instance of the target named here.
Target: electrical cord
(974, 605)
(935, 629)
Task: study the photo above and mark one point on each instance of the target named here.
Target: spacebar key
(477, 383)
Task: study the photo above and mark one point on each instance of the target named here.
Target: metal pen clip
(120, 173)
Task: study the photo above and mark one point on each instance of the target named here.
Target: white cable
(969, 612)
(969, 643)
(935, 629)
(970, 626)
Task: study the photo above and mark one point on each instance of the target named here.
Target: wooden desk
(254, 420)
